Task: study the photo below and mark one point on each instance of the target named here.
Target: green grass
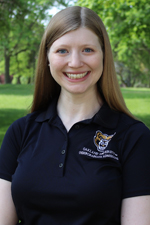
(14, 103)
(16, 99)
(138, 102)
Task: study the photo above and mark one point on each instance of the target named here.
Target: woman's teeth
(76, 76)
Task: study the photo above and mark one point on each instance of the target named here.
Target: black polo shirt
(78, 177)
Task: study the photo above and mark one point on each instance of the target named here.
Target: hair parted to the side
(66, 20)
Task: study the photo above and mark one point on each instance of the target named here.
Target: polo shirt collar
(49, 113)
(105, 117)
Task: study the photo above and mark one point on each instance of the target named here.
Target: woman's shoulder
(25, 119)
(133, 124)
(134, 136)
(18, 126)
(113, 119)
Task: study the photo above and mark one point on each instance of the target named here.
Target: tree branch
(22, 50)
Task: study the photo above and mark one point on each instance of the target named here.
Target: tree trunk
(7, 62)
(18, 80)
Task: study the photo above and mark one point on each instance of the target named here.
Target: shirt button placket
(62, 156)
(60, 165)
(63, 152)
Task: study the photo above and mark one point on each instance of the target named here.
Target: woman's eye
(88, 50)
(62, 51)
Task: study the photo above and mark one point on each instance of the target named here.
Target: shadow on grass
(132, 94)
(135, 96)
(7, 117)
(20, 89)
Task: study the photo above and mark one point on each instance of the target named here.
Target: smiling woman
(76, 64)
(79, 157)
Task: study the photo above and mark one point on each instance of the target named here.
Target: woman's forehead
(81, 35)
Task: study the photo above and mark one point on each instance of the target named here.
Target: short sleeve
(136, 161)
(10, 149)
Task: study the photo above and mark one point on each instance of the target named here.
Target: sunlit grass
(15, 101)
(138, 102)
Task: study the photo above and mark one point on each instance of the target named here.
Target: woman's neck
(73, 108)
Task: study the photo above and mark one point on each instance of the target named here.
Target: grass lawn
(138, 102)
(16, 99)
(14, 103)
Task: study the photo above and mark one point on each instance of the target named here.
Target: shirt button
(63, 152)
(77, 126)
(60, 165)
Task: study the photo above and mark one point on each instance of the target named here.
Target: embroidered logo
(101, 140)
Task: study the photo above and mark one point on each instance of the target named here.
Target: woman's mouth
(77, 75)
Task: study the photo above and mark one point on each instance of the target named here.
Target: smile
(76, 76)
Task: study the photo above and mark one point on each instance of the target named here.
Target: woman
(80, 157)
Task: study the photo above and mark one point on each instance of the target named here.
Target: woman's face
(76, 61)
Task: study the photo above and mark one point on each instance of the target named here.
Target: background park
(22, 24)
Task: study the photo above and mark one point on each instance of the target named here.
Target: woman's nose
(75, 60)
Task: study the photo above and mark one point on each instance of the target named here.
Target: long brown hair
(64, 21)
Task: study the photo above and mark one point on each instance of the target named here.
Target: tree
(128, 23)
(22, 26)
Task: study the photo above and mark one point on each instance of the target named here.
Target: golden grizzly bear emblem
(102, 140)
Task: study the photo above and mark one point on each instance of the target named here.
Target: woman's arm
(136, 211)
(8, 214)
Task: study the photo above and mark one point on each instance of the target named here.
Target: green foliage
(128, 24)
(22, 27)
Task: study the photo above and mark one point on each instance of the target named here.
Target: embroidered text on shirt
(99, 155)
